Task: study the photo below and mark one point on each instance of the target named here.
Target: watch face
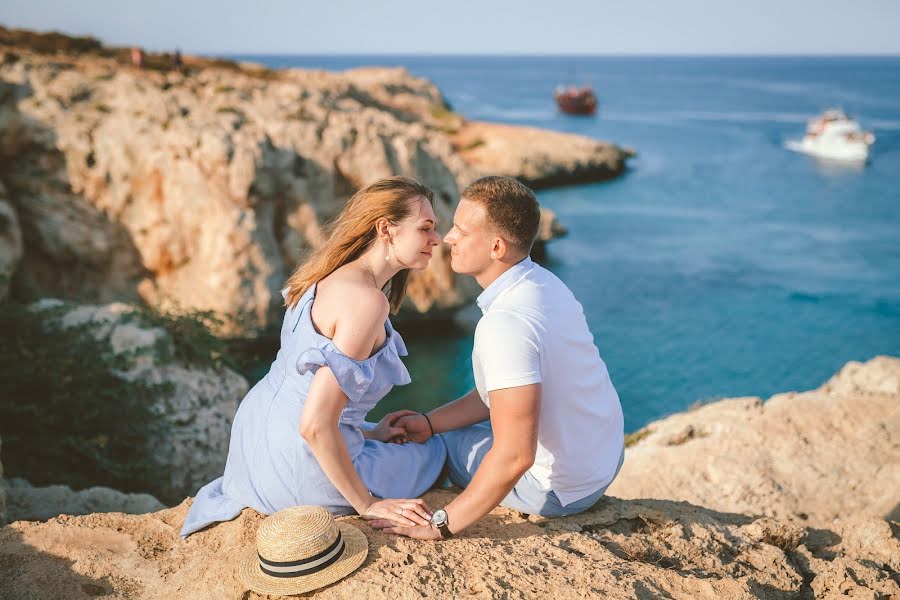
(439, 517)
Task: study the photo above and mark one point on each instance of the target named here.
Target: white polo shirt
(533, 330)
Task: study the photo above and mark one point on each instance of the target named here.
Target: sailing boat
(576, 100)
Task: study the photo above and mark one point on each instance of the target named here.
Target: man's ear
(500, 249)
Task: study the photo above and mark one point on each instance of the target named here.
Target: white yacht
(835, 136)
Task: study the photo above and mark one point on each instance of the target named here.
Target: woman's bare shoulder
(351, 302)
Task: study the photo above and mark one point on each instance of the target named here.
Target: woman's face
(415, 237)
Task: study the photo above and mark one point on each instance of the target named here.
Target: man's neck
(495, 270)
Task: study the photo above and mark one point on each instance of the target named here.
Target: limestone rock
(538, 157)
(189, 447)
(28, 503)
(822, 454)
(398, 89)
(549, 229)
(618, 549)
(205, 190)
(10, 242)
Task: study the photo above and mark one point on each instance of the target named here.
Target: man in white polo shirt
(555, 438)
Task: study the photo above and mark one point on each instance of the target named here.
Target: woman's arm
(356, 331)
(319, 427)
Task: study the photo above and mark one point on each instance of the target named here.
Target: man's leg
(466, 449)
(552, 506)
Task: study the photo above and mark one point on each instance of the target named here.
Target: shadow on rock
(28, 573)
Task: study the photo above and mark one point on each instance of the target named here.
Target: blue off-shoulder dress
(271, 467)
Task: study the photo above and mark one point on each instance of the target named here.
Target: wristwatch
(439, 521)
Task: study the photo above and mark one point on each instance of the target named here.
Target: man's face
(469, 239)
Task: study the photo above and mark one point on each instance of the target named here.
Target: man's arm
(515, 413)
(462, 412)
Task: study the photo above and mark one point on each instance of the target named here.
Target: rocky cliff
(818, 455)
(151, 413)
(538, 157)
(204, 187)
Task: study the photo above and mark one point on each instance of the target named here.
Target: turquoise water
(721, 264)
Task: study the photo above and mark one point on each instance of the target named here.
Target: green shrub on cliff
(194, 341)
(68, 411)
(65, 413)
(50, 42)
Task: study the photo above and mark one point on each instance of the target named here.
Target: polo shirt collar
(503, 283)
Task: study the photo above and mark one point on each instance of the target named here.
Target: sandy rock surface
(823, 454)
(538, 157)
(619, 549)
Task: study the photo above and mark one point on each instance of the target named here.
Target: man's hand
(419, 532)
(415, 426)
(388, 429)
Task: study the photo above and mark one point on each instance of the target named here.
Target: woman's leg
(400, 470)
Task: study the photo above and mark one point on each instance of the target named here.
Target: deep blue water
(721, 264)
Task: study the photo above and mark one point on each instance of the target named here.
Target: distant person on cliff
(298, 436)
(177, 62)
(542, 432)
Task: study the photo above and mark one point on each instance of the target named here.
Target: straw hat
(300, 549)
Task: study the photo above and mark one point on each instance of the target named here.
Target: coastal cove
(745, 299)
(721, 264)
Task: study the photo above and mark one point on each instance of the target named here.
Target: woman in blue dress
(298, 436)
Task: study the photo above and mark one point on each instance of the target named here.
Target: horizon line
(552, 54)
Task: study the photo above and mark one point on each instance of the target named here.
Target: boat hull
(580, 102)
(845, 151)
(572, 108)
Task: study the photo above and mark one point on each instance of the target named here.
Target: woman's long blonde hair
(353, 231)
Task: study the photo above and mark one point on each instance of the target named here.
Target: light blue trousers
(467, 447)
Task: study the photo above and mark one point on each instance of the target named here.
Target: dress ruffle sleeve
(355, 377)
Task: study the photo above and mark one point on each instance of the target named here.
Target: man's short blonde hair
(511, 208)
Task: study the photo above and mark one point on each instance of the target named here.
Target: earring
(388, 257)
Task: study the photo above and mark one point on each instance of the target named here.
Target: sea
(721, 264)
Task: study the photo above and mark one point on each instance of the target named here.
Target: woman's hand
(387, 430)
(403, 513)
(419, 532)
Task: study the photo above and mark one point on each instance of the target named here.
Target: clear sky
(475, 26)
